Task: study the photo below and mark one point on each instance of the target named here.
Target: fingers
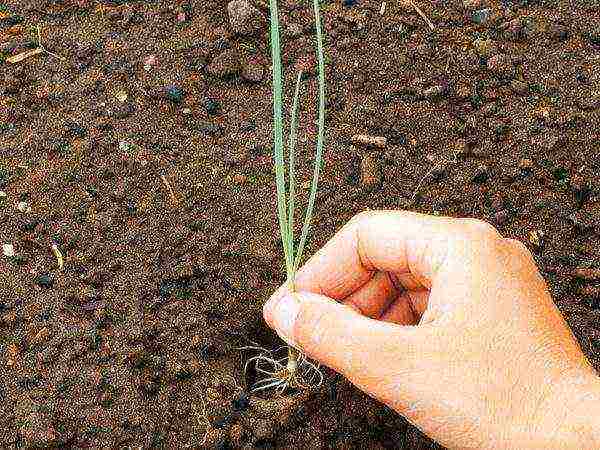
(410, 245)
(335, 334)
(375, 296)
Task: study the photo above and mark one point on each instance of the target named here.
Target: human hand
(448, 323)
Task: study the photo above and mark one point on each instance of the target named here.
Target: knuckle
(479, 228)
(518, 247)
(362, 216)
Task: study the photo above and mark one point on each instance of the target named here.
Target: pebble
(244, 18)
(263, 429)
(501, 217)
(212, 106)
(239, 178)
(586, 273)
(481, 16)
(480, 174)
(370, 172)
(294, 30)
(472, 4)
(526, 165)
(501, 66)
(45, 281)
(210, 129)
(225, 65)
(536, 238)
(559, 32)
(149, 62)
(8, 250)
(485, 47)
(23, 207)
(241, 402)
(434, 92)
(519, 87)
(253, 72)
(174, 93)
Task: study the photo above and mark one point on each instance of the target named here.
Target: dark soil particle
(141, 146)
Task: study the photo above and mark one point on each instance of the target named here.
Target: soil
(139, 144)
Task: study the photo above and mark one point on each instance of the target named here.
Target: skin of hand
(451, 325)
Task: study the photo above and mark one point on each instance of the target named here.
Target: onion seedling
(293, 370)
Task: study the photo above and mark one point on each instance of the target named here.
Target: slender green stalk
(292, 173)
(320, 137)
(278, 131)
(286, 200)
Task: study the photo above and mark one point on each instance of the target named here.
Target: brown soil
(156, 185)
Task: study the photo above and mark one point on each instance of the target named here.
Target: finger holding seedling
(448, 323)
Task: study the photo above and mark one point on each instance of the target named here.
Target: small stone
(434, 92)
(225, 65)
(263, 429)
(294, 30)
(149, 62)
(174, 93)
(526, 165)
(45, 281)
(519, 87)
(8, 250)
(514, 29)
(485, 47)
(370, 172)
(536, 238)
(501, 66)
(472, 4)
(501, 217)
(212, 106)
(253, 72)
(244, 18)
(121, 96)
(480, 174)
(481, 16)
(239, 178)
(559, 32)
(40, 337)
(586, 273)
(240, 403)
(23, 207)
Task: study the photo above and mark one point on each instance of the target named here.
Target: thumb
(337, 335)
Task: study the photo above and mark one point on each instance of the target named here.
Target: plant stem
(320, 137)
(278, 131)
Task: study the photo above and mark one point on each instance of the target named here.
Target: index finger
(400, 242)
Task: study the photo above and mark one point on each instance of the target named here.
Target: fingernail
(285, 313)
(269, 306)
